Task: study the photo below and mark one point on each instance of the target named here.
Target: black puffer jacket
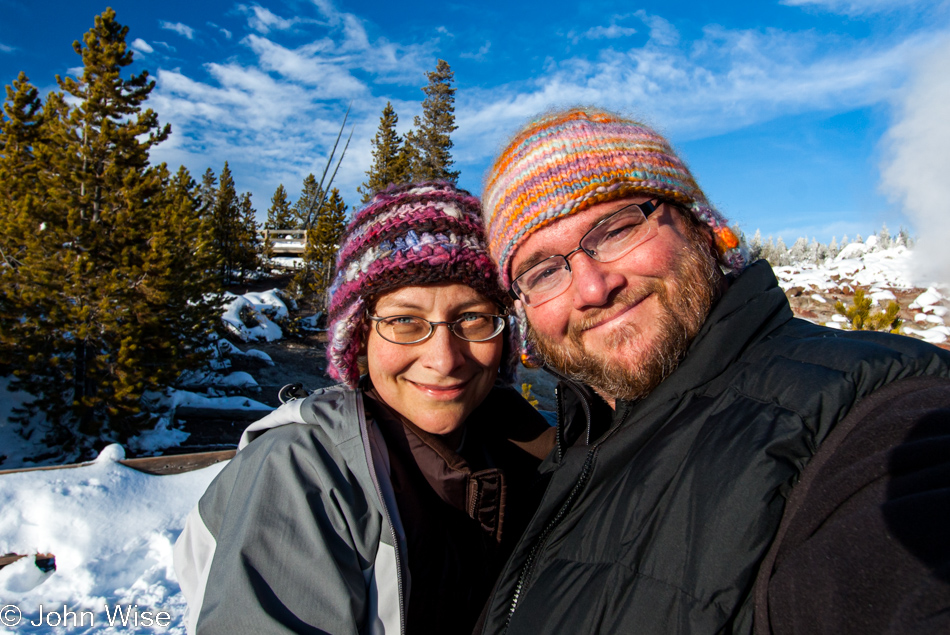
(657, 516)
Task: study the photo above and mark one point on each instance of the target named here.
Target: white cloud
(274, 117)
(142, 46)
(5, 49)
(264, 20)
(181, 29)
(918, 161)
(854, 7)
(611, 32)
(480, 55)
(662, 31)
(327, 75)
(724, 81)
(227, 34)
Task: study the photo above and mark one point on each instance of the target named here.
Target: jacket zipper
(476, 497)
(528, 566)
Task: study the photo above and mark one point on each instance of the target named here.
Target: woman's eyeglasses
(410, 329)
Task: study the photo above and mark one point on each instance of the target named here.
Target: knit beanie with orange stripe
(566, 162)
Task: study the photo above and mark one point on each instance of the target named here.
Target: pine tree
(799, 251)
(430, 140)
(249, 245)
(20, 132)
(860, 317)
(226, 226)
(323, 239)
(904, 238)
(308, 205)
(279, 215)
(207, 193)
(88, 318)
(178, 272)
(884, 237)
(781, 254)
(390, 162)
(329, 232)
(755, 247)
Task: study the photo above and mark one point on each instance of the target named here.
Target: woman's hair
(413, 234)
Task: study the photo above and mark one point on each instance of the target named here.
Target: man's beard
(685, 299)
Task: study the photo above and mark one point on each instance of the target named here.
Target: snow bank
(111, 529)
(927, 299)
(935, 335)
(856, 265)
(250, 316)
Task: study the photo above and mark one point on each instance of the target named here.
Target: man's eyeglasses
(610, 239)
(409, 329)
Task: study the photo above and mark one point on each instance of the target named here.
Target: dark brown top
(462, 508)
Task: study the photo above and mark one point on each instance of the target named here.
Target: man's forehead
(562, 235)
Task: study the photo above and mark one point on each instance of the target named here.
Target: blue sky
(798, 117)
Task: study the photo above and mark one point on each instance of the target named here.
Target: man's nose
(593, 283)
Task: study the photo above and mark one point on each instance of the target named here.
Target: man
(705, 436)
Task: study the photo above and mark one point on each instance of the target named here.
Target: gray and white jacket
(345, 572)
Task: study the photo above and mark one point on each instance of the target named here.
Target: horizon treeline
(803, 250)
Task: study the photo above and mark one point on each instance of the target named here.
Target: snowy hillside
(884, 274)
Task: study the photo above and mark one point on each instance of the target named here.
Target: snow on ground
(110, 527)
(111, 530)
(205, 388)
(853, 266)
(250, 316)
(880, 272)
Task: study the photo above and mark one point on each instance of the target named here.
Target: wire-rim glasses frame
(498, 322)
(608, 240)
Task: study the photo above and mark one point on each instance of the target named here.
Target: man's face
(623, 326)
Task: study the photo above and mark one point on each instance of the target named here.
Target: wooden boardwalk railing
(285, 241)
(159, 465)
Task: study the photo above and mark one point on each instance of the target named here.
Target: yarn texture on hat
(416, 234)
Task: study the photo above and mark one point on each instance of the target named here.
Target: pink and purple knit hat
(415, 234)
(566, 162)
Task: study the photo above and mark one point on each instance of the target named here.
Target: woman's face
(438, 382)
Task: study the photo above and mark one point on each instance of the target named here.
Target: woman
(387, 503)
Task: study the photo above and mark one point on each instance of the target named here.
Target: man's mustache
(621, 302)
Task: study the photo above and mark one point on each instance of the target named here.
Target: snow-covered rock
(240, 308)
(929, 297)
(935, 335)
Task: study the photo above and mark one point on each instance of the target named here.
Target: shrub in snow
(861, 318)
